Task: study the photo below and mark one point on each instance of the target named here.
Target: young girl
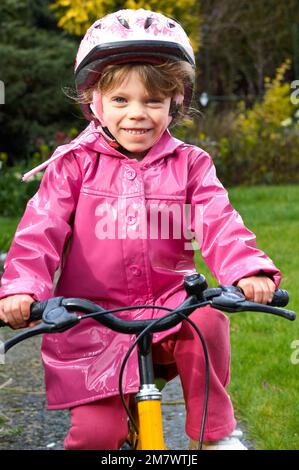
(134, 76)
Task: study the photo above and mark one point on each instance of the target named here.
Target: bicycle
(145, 419)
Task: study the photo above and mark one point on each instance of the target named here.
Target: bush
(263, 143)
(36, 62)
(14, 193)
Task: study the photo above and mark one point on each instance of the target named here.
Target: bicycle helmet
(130, 36)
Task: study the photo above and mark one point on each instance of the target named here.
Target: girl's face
(135, 119)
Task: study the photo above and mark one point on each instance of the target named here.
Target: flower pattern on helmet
(133, 25)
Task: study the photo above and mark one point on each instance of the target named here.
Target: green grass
(264, 385)
(8, 227)
(7, 430)
(264, 382)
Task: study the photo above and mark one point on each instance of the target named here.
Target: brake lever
(232, 300)
(230, 297)
(55, 319)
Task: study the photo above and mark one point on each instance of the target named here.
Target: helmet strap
(110, 139)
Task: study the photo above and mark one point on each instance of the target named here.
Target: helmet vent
(171, 25)
(98, 26)
(148, 22)
(124, 23)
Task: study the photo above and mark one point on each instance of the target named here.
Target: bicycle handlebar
(56, 317)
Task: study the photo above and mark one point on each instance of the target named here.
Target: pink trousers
(103, 424)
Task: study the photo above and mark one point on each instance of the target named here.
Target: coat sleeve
(227, 246)
(45, 228)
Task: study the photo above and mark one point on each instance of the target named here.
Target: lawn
(8, 227)
(264, 385)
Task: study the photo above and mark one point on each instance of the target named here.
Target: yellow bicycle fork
(147, 409)
(150, 418)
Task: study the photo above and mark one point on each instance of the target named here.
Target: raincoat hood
(92, 138)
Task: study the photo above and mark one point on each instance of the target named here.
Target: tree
(243, 42)
(36, 61)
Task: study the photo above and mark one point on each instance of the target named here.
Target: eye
(155, 100)
(119, 99)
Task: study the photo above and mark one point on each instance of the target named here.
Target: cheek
(107, 112)
(110, 116)
(165, 119)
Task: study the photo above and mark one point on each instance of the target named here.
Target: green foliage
(14, 193)
(269, 115)
(262, 144)
(242, 42)
(8, 227)
(36, 61)
(185, 130)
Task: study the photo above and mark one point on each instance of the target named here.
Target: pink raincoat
(96, 217)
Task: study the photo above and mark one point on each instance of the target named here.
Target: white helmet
(130, 36)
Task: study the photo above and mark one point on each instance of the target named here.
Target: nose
(137, 111)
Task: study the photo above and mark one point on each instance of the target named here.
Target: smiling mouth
(136, 131)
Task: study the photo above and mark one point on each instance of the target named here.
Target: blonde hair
(162, 80)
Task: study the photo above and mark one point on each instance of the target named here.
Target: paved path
(25, 423)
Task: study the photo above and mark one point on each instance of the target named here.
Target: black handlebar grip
(36, 312)
(280, 298)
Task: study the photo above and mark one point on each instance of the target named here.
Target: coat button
(135, 270)
(130, 173)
